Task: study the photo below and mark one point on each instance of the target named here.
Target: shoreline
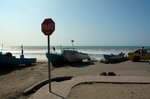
(97, 52)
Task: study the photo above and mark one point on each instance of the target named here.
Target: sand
(127, 68)
(13, 84)
(110, 91)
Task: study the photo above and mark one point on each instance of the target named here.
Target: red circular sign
(48, 26)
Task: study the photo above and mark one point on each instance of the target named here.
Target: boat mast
(21, 56)
(72, 44)
(61, 48)
(2, 48)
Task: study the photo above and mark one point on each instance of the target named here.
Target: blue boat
(111, 58)
(9, 60)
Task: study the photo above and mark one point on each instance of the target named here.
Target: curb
(37, 86)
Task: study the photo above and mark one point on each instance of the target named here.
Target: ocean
(95, 52)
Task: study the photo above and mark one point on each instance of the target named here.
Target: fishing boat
(67, 55)
(55, 59)
(9, 60)
(73, 55)
(111, 58)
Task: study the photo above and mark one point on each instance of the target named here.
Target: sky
(87, 22)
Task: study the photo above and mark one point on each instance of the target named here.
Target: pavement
(60, 90)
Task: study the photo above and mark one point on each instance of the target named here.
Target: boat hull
(55, 59)
(12, 60)
(74, 56)
(111, 58)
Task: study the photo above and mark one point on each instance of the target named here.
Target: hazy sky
(88, 22)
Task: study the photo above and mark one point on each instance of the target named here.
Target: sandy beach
(110, 91)
(12, 84)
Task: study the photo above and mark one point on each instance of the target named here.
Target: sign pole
(48, 27)
(49, 66)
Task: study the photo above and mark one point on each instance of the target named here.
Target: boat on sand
(111, 58)
(9, 60)
(55, 59)
(67, 55)
(73, 55)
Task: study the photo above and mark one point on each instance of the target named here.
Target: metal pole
(49, 67)
(72, 44)
(2, 48)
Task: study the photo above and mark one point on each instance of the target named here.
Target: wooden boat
(9, 59)
(67, 55)
(55, 59)
(74, 56)
(111, 58)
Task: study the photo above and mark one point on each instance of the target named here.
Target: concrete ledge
(60, 90)
(37, 86)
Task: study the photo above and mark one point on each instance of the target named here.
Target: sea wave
(93, 51)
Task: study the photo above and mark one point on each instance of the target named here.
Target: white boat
(74, 56)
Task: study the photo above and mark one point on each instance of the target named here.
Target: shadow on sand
(41, 84)
(5, 69)
(80, 64)
(58, 95)
(73, 64)
(114, 61)
(143, 61)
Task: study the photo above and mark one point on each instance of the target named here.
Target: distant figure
(72, 44)
(21, 56)
(54, 48)
(72, 41)
(143, 50)
(22, 49)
